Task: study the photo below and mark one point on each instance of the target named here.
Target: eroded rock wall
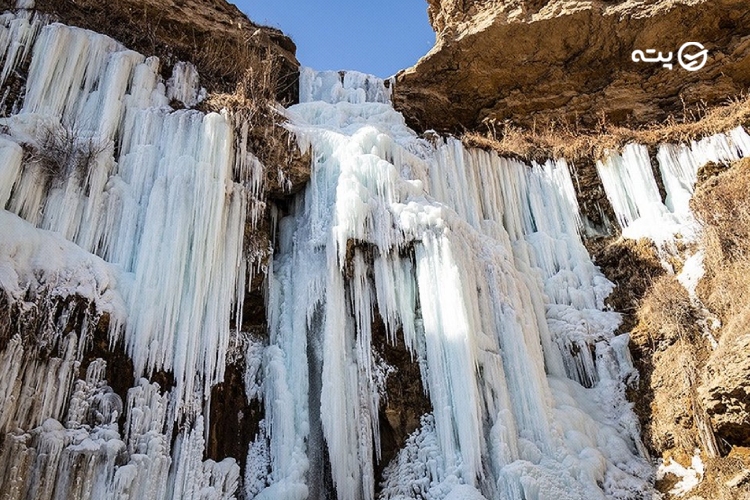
(534, 62)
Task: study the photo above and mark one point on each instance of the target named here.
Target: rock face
(537, 61)
(725, 391)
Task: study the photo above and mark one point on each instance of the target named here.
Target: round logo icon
(692, 62)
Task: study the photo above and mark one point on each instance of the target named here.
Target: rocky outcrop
(536, 61)
(694, 387)
(722, 205)
(726, 386)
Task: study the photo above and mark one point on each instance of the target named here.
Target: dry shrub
(571, 141)
(65, 150)
(666, 314)
(722, 206)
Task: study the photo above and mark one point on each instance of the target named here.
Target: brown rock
(539, 61)
(726, 384)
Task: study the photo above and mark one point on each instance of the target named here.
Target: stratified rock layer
(539, 61)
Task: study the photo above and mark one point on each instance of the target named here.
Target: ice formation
(477, 262)
(119, 208)
(132, 208)
(629, 182)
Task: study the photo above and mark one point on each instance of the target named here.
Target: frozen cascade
(163, 208)
(477, 262)
(117, 205)
(132, 211)
(629, 182)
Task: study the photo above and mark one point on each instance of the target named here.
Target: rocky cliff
(536, 61)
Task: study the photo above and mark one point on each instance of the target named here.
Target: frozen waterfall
(478, 263)
(145, 197)
(123, 223)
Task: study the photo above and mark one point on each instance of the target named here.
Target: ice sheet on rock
(419, 470)
(37, 262)
(689, 477)
(631, 188)
(198, 480)
(34, 390)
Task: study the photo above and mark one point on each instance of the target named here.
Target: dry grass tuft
(667, 314)
(64, 150)
(255, 93)
(722, 206)
(570, 141)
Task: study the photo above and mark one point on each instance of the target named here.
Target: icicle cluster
(154, 221)
(629, 182)
(342, 86)
(110, 167)
(477, 262)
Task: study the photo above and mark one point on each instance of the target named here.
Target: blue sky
(378, 37)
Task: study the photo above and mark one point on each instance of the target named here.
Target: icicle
(196, 479)
(11, 156)
(184, 85)
(17, 35)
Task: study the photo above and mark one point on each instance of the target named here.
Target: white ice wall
(477, 262)
(132, 207)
